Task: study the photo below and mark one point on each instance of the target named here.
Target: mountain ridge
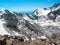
(42, 22)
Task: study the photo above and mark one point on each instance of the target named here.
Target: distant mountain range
(26, 12)
(41, 22)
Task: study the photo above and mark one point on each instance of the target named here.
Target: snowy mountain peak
(41, 11)
(56, 6)
(3, 11)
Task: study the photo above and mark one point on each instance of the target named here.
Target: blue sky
(26, 5)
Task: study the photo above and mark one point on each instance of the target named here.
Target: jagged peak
(55, 5)
(3, 10)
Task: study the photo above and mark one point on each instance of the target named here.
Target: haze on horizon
(26, 5)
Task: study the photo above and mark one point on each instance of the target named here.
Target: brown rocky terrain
(16, 40)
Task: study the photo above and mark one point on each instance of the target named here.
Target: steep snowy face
(55, 7)
(55, 11)
(41, 11)
(3, 30)
(4, 11)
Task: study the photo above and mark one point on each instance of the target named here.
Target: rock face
(16, 40)
(10, 18)
(42, 22)
(55, 11)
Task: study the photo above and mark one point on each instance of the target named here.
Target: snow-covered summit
(4, 11)
(41, 11)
